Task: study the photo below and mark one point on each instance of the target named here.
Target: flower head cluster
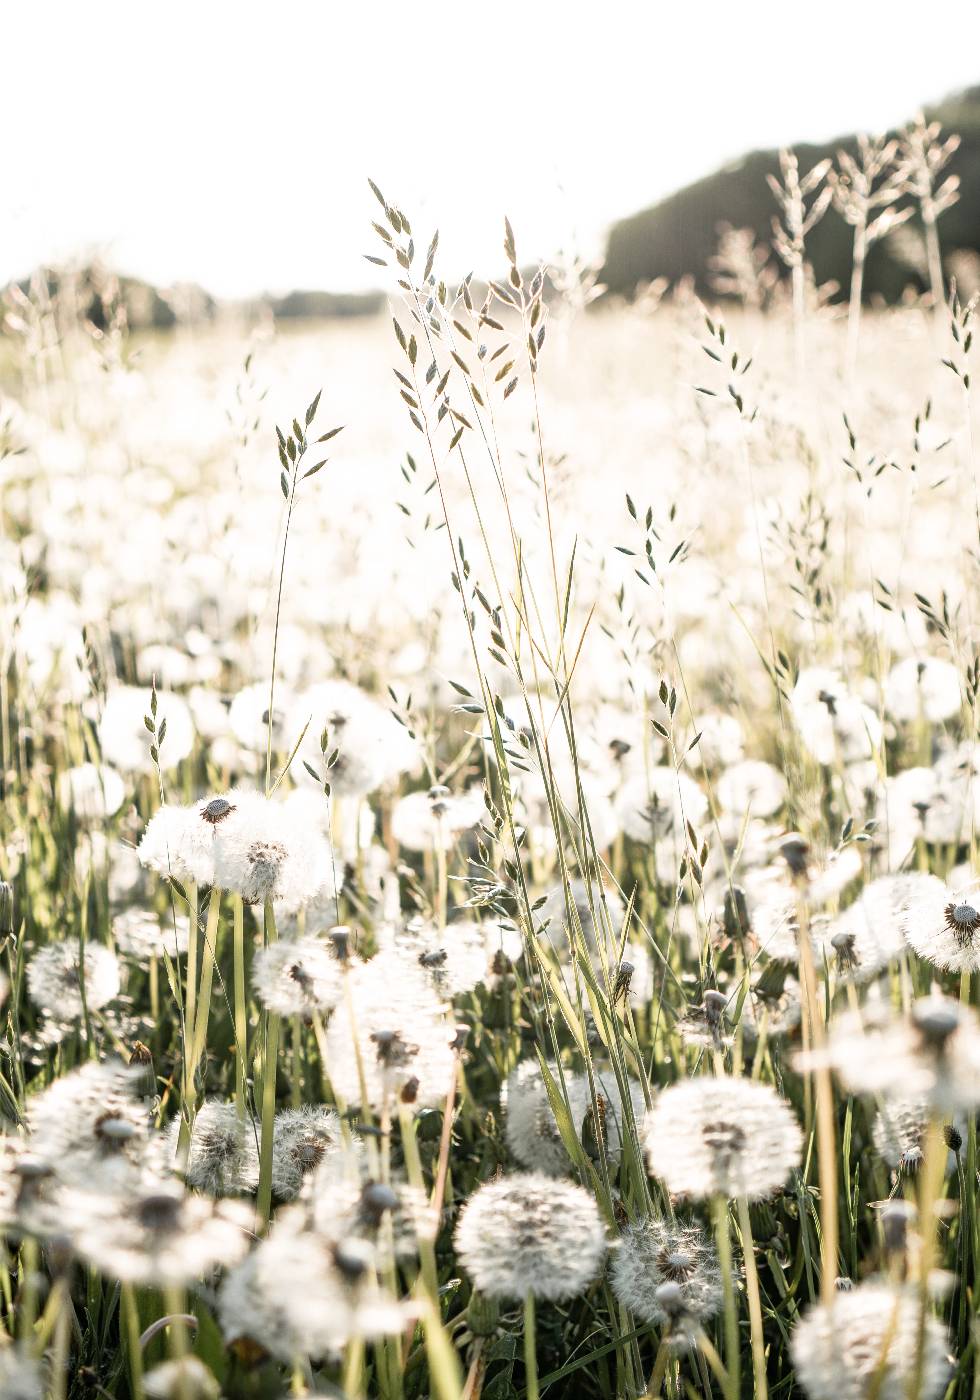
(943, 925)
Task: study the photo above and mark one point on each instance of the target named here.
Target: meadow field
(490, 901)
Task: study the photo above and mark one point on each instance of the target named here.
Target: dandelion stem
(755, 1302)
(530, 1348)
(241, 1013)
(134, 1352)
(723, 1239)
(269, 1062)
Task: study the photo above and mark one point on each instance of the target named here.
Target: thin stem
(269, 1062)
(134, 1352)
(723, 1240)
(755, 1302)
(530, 1349)
(241, 1014)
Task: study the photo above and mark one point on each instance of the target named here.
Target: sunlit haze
(205, 142)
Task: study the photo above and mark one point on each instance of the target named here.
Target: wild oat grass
(489, 897)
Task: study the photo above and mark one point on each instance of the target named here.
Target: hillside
(678, 236)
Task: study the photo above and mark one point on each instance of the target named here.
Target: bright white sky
(228, 143)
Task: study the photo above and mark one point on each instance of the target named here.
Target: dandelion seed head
(222, 1158)
(297, 977)
(658, 1253)
(867, 1337)
(302, 1138)
(529, 1233)
(722, 1137)
(531, 1129)
(55, 973)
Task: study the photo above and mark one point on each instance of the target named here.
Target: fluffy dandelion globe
(393, 1031)
(434, 820)
(297, 977)
(868, 935)
(752, 786)
(865, 1343)
(158, 1235)
(91, 1123)
(179, 842)
(140, 934)
(371, 747)
(834, 724)
(529, 1233)
(657, 1252)
(55, 976)
(223, 1155)
(454, 959)
(266, 850)
(899, 1134)
(942, 925)
(532, 1131)
(722, 1137)
(302, 1139)
(297, 1295)
(931, 1054)
(928, 689)
(658, 807)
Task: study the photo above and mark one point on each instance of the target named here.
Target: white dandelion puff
(297, 977)
(391, 1027)
(56, 972)
(530, 1126)
(657, 1252)
(722, 1137)
(91, 791)
(942, 925)
(302, 1139)
(158, 1235)
(530, 1233)
(865, 1341)
(222, 1157)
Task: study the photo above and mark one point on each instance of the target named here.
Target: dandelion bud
(376, 1198)
(952, 1137)
(843, 1285)
(795, 850)
(340, 937)
(460, 1037)
(410, 1090)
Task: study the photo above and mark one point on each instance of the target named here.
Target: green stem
(241, 1014)
(755, 1302)
(530, 1349)
(269, 1063)
(719, 1211)
(134, 1352)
